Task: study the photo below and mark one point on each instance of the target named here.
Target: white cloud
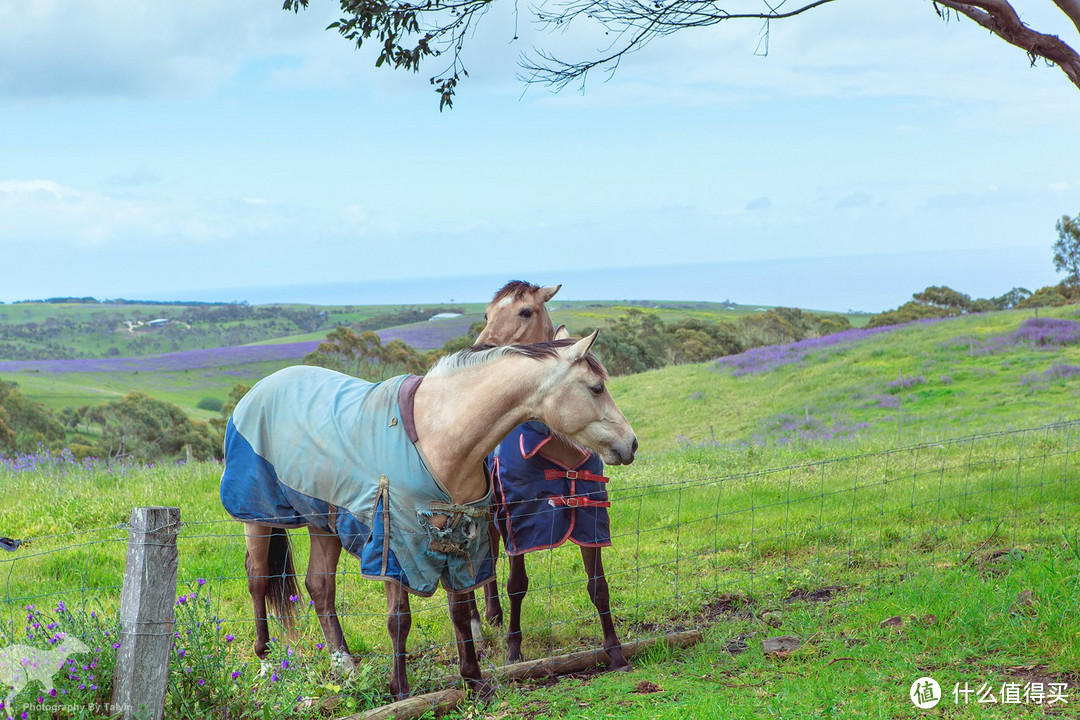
(65, 48)
(23, 191)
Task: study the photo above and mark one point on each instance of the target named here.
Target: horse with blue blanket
(394, 472)
(547, 488)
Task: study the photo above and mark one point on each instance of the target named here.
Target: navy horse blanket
(310, 446)
(540, 503)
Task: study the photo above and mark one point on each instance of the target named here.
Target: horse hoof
(484, 691)
(623, 667)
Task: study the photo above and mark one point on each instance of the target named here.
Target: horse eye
(597, 389)
(525, 313)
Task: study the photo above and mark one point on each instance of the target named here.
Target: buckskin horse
(344, 457)
(548, 489)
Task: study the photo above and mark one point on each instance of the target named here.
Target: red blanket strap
(573, 475)
(576, 502)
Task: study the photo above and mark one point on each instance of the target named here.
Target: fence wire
(682, 552)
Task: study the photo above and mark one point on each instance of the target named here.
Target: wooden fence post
(147, 613)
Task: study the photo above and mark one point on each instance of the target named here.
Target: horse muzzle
(621, 453)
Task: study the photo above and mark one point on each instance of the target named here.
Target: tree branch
(640, 20)
(1071, 8)
(1000, 18)
(407, 33)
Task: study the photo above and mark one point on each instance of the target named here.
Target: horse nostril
(633, 446)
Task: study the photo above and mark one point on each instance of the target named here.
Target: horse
(517, 314)
(312, 447)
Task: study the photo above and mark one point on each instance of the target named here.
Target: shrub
(210, 403)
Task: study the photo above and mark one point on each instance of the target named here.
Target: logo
(925, 693)
(22, 664)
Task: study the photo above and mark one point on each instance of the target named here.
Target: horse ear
(548, 292)
(579, 349)
(561, 333)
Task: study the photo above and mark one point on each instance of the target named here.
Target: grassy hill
(39, 330)
(815, 489)
(913, 383)
(75, 354)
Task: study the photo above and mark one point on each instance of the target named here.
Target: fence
(685, 553)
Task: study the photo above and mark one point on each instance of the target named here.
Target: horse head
(517, 315)
(577, 403)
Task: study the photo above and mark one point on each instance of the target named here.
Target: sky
(227, 150)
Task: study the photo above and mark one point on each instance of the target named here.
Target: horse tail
(282, 590)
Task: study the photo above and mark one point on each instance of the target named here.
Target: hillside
(62, 331)
(924, 381)
(817, 489)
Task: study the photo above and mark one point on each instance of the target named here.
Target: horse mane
(482, 354)
(515, 289)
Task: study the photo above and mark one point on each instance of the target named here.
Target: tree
(407, 33)
(26, 424)
(1067, 249)
(365, 356)
(946, 298)
(146, 429)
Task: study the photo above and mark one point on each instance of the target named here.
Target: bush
(210, 403)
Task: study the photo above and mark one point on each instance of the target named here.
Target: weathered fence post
(147, 613)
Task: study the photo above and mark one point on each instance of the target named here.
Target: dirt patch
(824, 594)
(1039, 674)
(648, 686)
(727, 605)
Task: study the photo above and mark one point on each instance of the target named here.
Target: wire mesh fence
(680, 551)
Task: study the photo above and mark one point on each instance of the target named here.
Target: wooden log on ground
(443, 701)
(585, 659)
(440, 702)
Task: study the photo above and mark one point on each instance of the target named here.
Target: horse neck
(460, 418)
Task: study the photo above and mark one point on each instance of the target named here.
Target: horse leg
(516, 587)
(598, 593)
(466, 644)
(398, 623)
(321, 584)
(492, 607)
(257, 564)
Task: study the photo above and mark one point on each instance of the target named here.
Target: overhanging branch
(1000, 18)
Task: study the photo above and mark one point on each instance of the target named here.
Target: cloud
(759, 203)
(854, 200)
(66, 48)
(139, 176)
(24, 191)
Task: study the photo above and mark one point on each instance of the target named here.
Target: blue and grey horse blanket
(310, 446)
(541, 503)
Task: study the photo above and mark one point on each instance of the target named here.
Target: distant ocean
(863, 282)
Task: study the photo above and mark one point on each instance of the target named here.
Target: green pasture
(577, 315)
(812, 499)
(828, 550)
(41, 330)
(184, 388)
(843, 394)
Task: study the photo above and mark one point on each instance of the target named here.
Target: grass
(739, 515)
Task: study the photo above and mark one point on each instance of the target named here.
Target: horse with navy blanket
(547, 489)
(395, 473)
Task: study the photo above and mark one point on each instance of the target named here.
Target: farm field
(184, 365)
(926, 473)
(30, 331)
